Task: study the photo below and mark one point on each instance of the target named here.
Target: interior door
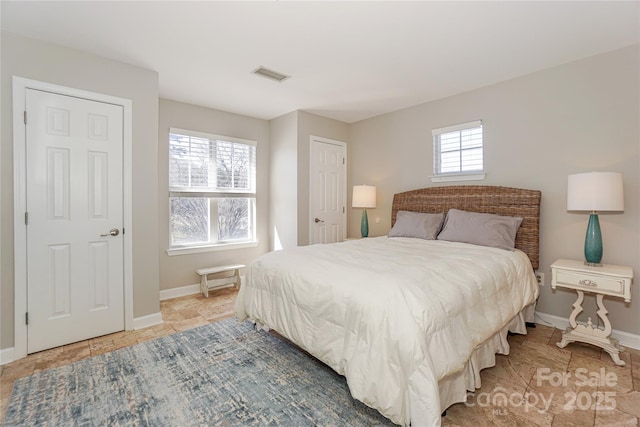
(74, 157)
(327, 178)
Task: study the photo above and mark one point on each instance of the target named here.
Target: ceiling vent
(270, 74)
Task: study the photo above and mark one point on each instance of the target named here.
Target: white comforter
(393, 315)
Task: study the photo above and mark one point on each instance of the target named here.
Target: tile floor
(540, 383)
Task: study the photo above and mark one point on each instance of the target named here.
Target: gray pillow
(417, 224)
(480, 229)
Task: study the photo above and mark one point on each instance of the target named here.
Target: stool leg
(203, 285)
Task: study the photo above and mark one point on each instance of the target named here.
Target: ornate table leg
(610, 345)
(591, 334)
(577, 309)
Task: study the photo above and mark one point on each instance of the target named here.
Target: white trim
(342, 144)
(20, 86)
(625, 338)
(187, 290)
(212, 137)
(6, 356)
(210, 248)
(19, 207)
(458, 177)
(182, 291)
(148, 320)
(127, 196)
(454, 128)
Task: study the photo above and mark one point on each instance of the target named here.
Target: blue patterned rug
(223, 374)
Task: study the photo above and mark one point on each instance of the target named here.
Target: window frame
(461, 175)
(214, 196)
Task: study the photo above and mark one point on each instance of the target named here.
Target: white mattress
(393, 315)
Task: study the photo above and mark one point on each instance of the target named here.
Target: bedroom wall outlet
(540, 278)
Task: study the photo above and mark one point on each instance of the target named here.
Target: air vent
(270, 74)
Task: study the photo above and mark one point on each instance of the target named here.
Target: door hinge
(25, 117)
(26, 218)
(26, 318)
(342, 158)
(343, 209)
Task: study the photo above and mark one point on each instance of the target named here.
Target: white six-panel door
(74, 152)
(327, 178)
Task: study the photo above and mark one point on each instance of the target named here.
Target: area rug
(221, 374)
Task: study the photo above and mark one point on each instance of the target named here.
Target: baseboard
(146, 321)
(625, 338)
(6, 355)
(182, 291)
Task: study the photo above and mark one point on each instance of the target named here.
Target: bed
(409, 322)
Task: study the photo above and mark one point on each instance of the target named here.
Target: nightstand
(611, 280)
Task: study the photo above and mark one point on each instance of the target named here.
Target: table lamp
(595, 192)
(364, 196)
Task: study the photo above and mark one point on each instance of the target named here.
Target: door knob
(112, 232)
(317, 220)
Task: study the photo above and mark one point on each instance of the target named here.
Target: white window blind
(458, 149)
(199, 162)
(212, 189)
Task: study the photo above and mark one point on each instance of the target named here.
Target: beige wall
(580, 117)
(62, 66)
(290, 149)
(538, 129)
(283, 192)
(179, 270)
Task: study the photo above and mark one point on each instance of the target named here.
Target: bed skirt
(453, 388)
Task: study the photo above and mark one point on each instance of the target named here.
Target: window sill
(211, 248)
(458, 177)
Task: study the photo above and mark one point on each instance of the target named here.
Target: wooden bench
(207, 284)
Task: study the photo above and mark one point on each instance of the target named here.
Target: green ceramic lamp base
(364, 224)
(593, 242)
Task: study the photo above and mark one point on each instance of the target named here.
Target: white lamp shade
(364, 196)
(595, 191)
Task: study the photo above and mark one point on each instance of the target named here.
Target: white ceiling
(348, 60)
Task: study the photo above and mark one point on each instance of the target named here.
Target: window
(458, 152)
(212, 189)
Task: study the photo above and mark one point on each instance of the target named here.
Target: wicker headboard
(481, 198)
